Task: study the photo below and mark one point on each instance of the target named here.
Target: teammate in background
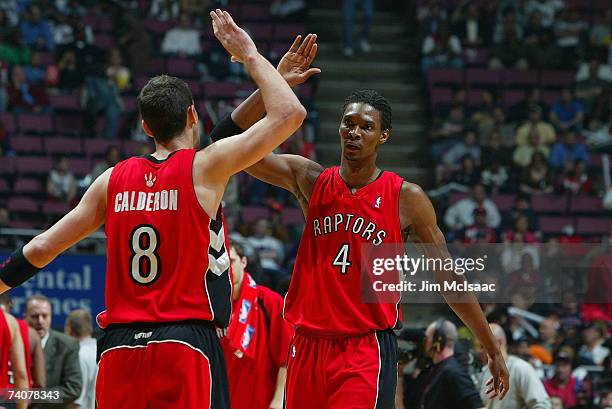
(346, 207)
(163, 299)
(34, 355)
(11, 349)
(256, 342)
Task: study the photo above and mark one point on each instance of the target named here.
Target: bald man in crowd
(526, 391)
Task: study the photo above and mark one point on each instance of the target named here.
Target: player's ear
(384, 136)
(192, 116)
(147, 129)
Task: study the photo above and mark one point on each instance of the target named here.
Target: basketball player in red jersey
(163, 299)
(34, 355)
(344, 351)
(11, 349)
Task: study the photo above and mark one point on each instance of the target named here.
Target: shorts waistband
(327, 335)
(153, 325)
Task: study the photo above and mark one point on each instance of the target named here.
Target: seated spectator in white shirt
(182, 40)
(461, 214)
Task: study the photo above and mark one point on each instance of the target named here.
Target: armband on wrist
(225, 128)
(16, 269)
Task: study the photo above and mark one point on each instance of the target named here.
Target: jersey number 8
(144, 242)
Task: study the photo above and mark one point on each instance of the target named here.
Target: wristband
(16, 269)
(225, 128)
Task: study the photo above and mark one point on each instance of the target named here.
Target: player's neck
(237, 290)
(358, 174)
(163, 150)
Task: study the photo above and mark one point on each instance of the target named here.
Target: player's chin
(350, 154)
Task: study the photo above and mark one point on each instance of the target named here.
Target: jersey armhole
(192, 190)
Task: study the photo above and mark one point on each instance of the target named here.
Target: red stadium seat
(288, 32)
(8, 121)
(41, 123)
(254, 12)
(440, 96)
(28, 186)
(156, 66)
(445, 76)
(593, 225)
(252, 213)
(105, 23)
(474, 97)
(520, 78)
(33, 165)
(80, 166)
(22, 224)
(586, 204)
(7, 166)
(293, 217)
(260, 31)
(503, 201)
(554, 224)
(5, 189)
(55, 208)
(98, 147)
(182, 67)
(22, 205)
(549, 204)
(557, 79)
(64, 146)
(27, 144)
(195, 86)
(68, 124)
(220, 89)
(157, 27)
(68, 102)
(104, 41)
(482, 77)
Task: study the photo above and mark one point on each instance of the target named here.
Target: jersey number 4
(342, 259)
(144, 262)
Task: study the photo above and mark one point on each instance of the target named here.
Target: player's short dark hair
(5, 298)
(374, 99)
(80, 323)
(163, 105)
(238, 249)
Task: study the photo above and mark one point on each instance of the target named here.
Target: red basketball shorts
(357, 372)
(161, 366)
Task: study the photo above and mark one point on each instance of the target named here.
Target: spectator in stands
(521, 110)
(111, 158)
(430, 14)
(593, 352)
(13, 51)
(4, 217)
(549, 334)
(545, 55)
(61, 183)
(523, 154)
(537, 177)
(136, 44)
(509, 51)
(451, 161)
(545, 130)
(441, 49)
(63, 32)
(5, 26)
(36, 30)
(495, 177)
(483, 113)
(479, 230)
(593, 91)
(289, 10)
(562, 384)
(568, 30)
(195, 7)
(164, 10)
(493, 149)
(70, 76)
(522, 206)
(606, 399)
(567, 113)
(35, 72)
(448, 131)
(461, 214)
(348, 14)
(577, 180)
(468, 174)
(471, 26)
(79, 326)
(117, 72)
(601, 33)
(521, 232)
(534, 29)
(546, 8)
(564, 154)
(24, 96)
(269, 248)
(182, 40)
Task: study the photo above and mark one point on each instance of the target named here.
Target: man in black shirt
(445, 384)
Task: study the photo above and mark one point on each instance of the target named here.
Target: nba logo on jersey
(247, 337)
(377, 204)
(150, 179)
(245, 308)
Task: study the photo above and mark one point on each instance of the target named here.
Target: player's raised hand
(295, 64)
(234, 39)
(499, 384)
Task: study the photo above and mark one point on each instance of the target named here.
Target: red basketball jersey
(167, 260)
(5, 351)
(325, 294)
(25, 335)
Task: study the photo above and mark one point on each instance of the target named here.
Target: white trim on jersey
(379, 369)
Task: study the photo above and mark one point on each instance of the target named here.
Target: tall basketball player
(11, 349)
(344, 351)
(163, 299)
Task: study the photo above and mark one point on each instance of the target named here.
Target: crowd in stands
(519, 92)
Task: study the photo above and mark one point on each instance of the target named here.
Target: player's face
(38, 316)
(238, 266)
(360, 131)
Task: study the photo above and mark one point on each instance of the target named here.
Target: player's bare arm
(39, 374)
(418, 220)
(79, 223)
(217, 163)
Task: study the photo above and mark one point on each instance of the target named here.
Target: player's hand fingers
(312, 54)
(303, 45)
(296, 44)
(311, 42)
(306, 75)
(220, 16)
(504, 388)
(489, 382)
(229, 19)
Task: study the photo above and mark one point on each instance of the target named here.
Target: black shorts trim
(387, 377)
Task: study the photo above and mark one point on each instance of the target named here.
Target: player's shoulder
(412, 192)
(268, 296)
